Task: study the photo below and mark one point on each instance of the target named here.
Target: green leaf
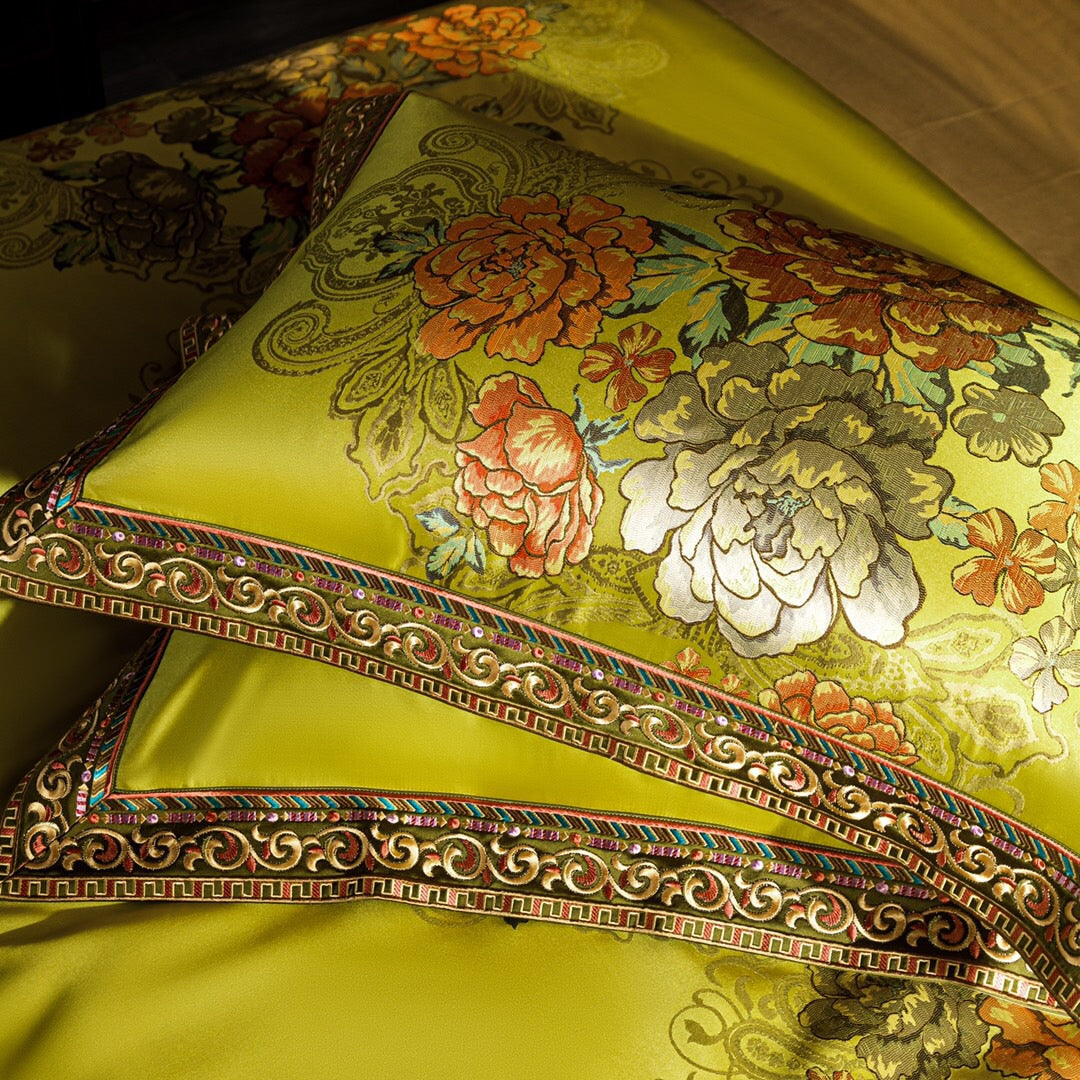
(594, 433)
(73, 170)
(950, 526)
(682, 240)
(69, 228)
(686, 260)
(475, 556)
(711, 314)
(439, 521)
(445, 558)
(408, 245)
(80, 246)
(273, 237)
(1017, 364)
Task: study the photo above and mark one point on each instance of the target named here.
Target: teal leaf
(69, 228)
(73, 170)
(932, 390)
(717, 313)
(950, 526)
(440, 522)
(224, 148)
(542, 130)
(407, 246)
(594, 433)
(273, 237)
(1017, 364)
(80, 244)
(475, 556)
(685, 261)
(445, 558)
(777, 317)
(681, 239)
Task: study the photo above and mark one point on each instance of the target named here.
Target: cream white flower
(782, 493)
(1048, 658)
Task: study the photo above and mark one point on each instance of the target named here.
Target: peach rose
(526, 479)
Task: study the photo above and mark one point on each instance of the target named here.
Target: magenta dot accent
(118, 536)
(513, 831)
(976, 830)
(477, 631)
(757, 864)
(271, 816)
(598, 675)
(634, 848)
(239, 560)
(87, 776)
(847, 770)
(882, 886)
(152, 819)
(359, 594)
(392, 818)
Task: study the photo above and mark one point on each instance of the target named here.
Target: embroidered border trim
(70, 834)
(350, 130)
(63, 550)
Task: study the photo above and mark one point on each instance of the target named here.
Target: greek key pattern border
(69, 834)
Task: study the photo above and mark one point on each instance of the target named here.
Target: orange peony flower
(466, 40)
(635, 357)
(1060, 478)
(871, 725)
(1015, 564)
(526, 479)
(534, 272)
(1031, 1044)
(869, 296)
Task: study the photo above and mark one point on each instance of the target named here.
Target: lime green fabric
(216, 716)
(977, 692)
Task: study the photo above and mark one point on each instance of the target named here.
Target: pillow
(555, 428)
(208, 772)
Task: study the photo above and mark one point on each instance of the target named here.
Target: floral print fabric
(783, 439)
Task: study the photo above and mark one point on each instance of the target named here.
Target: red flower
(1015, 563)
(635, 355)
(466, 40)
(688, 662)
(827, 706)
(281, 141)
(1060, 478)
(526, 480)
(533, 273)
(871, 297)
(45, 149)
(110, 126)
(1031, 1044)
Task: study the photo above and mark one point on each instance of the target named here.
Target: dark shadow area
(64, 58)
